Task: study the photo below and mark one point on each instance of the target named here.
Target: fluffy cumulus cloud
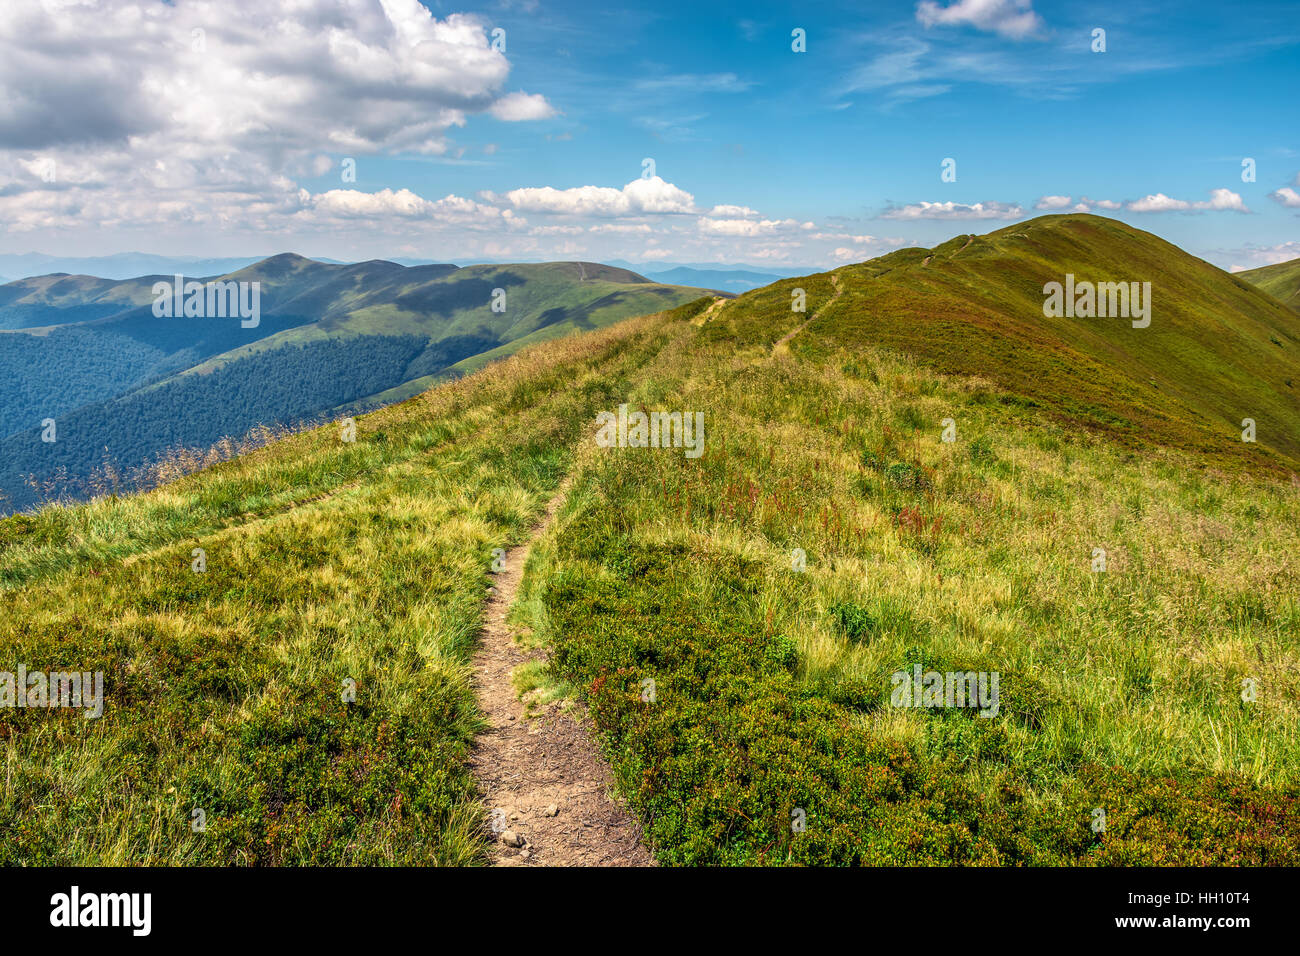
(402, 204)
(645, 221)
(518, 107)
(205, 110)
(1220, 200)
(750, 227)
(1287, 196)
(843, 237)
(955, 210)
(1067, 204)
(1053, 203)
(1009, 18)
(649, 195)
(179, 121)
(1158, 202)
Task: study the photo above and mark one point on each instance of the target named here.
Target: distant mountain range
(784, 271)
(128, 265)
(125, 265)
(733, 280)
(123, 385)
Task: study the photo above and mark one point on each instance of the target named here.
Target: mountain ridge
(344, 333)
(1218, 350)
(1281, 280)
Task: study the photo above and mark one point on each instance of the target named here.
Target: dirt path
(783, 343)
(545, 783)
(969, 240)
(712, 311)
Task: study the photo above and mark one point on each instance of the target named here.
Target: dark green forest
(46, 376)
(283, 386)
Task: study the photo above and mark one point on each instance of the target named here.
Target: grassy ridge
(1217, 350)
(52, 299)
(1120, 690)
(325, 561)
(1281, 281)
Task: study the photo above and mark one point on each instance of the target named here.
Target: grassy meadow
(1120, 690)
(326, 561)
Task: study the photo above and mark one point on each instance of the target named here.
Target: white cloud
(749, 227)
(253, 74)
(1067, 203)
(1286, 196)
(841, 237)
(352, 203)
(1052, 202)
(401, 204)
(1220, 199)
(517, 107)
(1009, 18)
(203, 111)
(732, 212)
(1157, 202)
(955, 210)
(557, 231)
(621, 227)
(1223, 199)
(1256, 256)
(651, 195)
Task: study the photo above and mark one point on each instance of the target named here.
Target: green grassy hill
(828, 538)
(58, 299)
(1281, 281)
(1217, 350)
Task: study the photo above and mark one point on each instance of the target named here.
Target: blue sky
(762, 155)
